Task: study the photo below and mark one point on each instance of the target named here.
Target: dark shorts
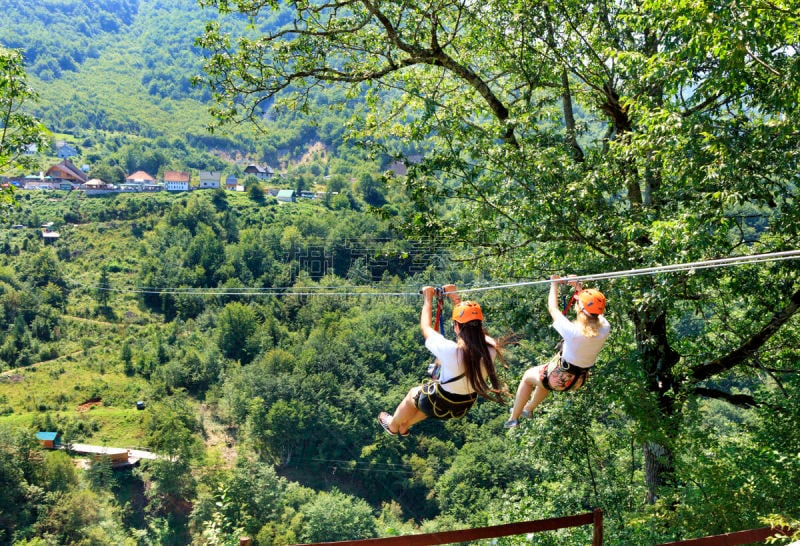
(558, 375)
(437, 403)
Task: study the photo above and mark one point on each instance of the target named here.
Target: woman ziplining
(582, 340)
(465, 365)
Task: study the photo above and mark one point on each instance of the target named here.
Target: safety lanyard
(567, 303)
(438, 323)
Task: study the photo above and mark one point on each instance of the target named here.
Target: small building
(262, 173)
(64, 150)
(209, 180)
(287, 196)
(138, 181)
(118, 457)
(400, 167)
(231, 182)
(49, 440)
(50, 236)
(33, 182)
(66, 171)
(176, 181)
(95, 184)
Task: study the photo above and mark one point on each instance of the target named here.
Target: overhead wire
(362, 290)
(689, 266)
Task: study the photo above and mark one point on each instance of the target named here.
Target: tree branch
(740, 400)
(749, 348)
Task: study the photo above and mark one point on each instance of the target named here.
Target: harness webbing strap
(568, 303)
(438, 324)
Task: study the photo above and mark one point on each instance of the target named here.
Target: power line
(362, 291)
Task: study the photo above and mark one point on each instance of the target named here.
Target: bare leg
(539, 394)
(406, 413)
(530, 383)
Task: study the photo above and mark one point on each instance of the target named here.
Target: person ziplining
(466, 367)
(582, 340)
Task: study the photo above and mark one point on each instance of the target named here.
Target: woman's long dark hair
(476, 350)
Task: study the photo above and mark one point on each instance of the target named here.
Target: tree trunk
(657, 467)
(658, 360)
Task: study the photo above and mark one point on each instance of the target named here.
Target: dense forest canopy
(263, 338)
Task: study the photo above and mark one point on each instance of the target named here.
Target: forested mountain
(115, 79)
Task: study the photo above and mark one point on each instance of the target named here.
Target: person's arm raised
(425, 321)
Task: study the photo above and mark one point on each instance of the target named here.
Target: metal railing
(595, 518)
(739, 538)
(467, 535)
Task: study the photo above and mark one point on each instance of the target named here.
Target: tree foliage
(20, 131)
(586, 138)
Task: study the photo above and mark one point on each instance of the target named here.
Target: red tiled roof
(140, 176)
(176, 176)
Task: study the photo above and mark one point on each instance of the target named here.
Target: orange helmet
(467, 311)
(593, 301)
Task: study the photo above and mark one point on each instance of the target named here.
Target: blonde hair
(590, 324)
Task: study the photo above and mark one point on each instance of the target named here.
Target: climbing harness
(560, 375)
(437, 403)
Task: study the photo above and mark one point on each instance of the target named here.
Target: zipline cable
(354, 291)
(705, 264)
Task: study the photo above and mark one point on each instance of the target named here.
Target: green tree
(335, 516)
(170, 430)
(255, 191)
(126, 355)
(19, 130)
(59, 472)
(18, 458)
(108, 173)
(580, 138)
(237, 323)
(101, 292)
(371, 190)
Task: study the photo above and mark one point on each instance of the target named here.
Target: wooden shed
(49, 440)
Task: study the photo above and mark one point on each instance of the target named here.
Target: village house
(231, 182)
(287, 196)
(262, 173)
(50, 236)
(176, 181)
(140, 181)
(209, 180)
(66, 172)
(64, 150)
(400, 168)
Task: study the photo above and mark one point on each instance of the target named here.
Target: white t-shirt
(578, 349)
(450, 359)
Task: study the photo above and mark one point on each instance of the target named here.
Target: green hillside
(116, 76)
